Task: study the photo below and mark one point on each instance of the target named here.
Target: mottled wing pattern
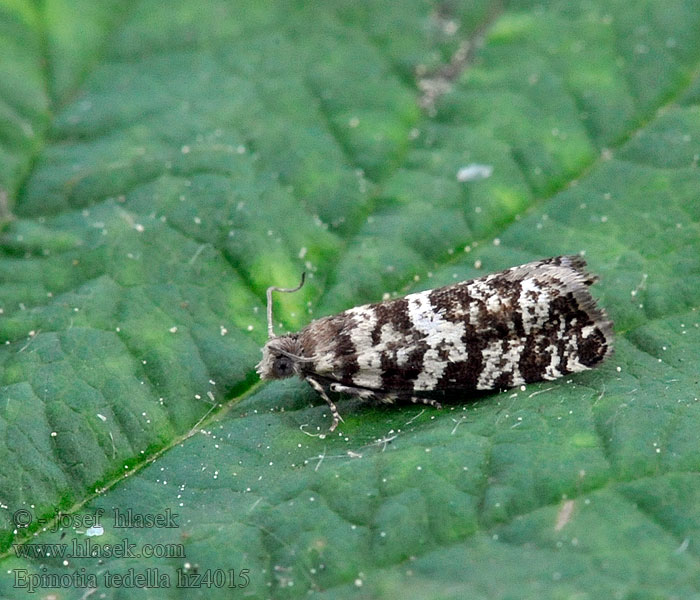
(529, 323)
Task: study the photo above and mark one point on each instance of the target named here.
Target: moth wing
(528, 323)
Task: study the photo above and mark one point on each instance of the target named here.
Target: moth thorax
(281, 358)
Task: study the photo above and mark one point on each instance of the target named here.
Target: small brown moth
(530, 323)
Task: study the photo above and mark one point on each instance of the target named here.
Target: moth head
(281, 358)
(281, 354)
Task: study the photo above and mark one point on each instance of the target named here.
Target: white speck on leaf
(474, 172)
(564, 515)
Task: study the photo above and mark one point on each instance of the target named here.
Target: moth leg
(362, 393)
(384, 397)
(334, 409)
(428, 401)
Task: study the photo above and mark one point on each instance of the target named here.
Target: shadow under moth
(530, 323)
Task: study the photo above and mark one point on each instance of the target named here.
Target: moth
(534, 322)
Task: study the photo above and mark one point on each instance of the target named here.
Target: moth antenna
(303, 359)
(273, 288)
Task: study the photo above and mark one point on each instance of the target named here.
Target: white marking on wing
(496, 362)
(534, 304)
(441, 336)
(587, 330)
(368, 358)
(552, 371)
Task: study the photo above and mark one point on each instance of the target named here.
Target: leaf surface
(162, 164)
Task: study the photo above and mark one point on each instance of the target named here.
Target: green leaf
(161, 164)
